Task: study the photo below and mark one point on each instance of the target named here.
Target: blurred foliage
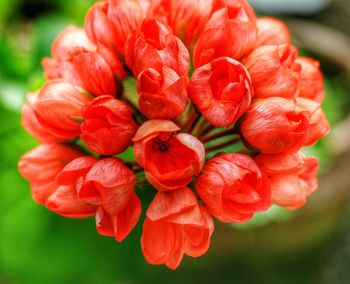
(37, 246)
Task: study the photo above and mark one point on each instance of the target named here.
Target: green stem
(222, 145)
(206, 128)
(206, 139)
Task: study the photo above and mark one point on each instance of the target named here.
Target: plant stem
(207, 128)
(191, 120)
(142, 181)
(214, 136)
(222, 145)
(137, 169)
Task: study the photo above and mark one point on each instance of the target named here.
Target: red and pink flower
(293, 177)
(108, 126)
(233, 188)
(170, 160)
(221, 90)
(176, 224)
(274, 71)
(105, 141)
(275, 125)
(231, 32)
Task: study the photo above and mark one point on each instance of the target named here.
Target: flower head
(170, 160)
(162, 94)
(275, 125)
(292, 178)
(274, 71)
(233, 188)
(175, 225)
(108, 126)
(57, 106)
(221, 90)
(153, 45)
(213, 115)
(231, 31)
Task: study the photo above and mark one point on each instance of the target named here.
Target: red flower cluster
(247, 78)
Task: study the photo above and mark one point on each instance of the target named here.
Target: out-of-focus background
(308, 246)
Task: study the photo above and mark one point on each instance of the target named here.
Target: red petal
(155, 126)
(114, 181)
(64, 201)
(75, 169)
(162, 243)
(167, 204)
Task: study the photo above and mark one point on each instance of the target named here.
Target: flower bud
(64, 45)
(275, 125)
(57, 106)
(233, 188)
(175, 225)
(91, 71)
(40, 167)
(274, 71)
(319, 125)
(272, 32)
(186, 18)
(170, 160)
(231, 31)
(108, 126)
(31, 124)
(311, 79)
(80, 62)
(152, 45)
(97, 25)
(109, 184)
(162, 94)
(293, 177)
(221, 90)
(124, 16)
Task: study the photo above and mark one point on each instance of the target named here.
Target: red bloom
(65, 44)
(231, 32)
(93, 72)
(185, 18)
(31, 124)
(124, 17)
(111, 22)
(311, 79)
(293, 177)
(272, 32)
(246, 75)
(119, 225)
(41, 165)
(170, 160)
(152, 45)
(175, 225)
(109, 184)
(275, 125)
(319, 125)
(57, 106)
(97, 25)
(108, 127)
(75, 59)
(163, 94)
(233, 188)
(74, 173)
(274, 71)
(221, 90)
